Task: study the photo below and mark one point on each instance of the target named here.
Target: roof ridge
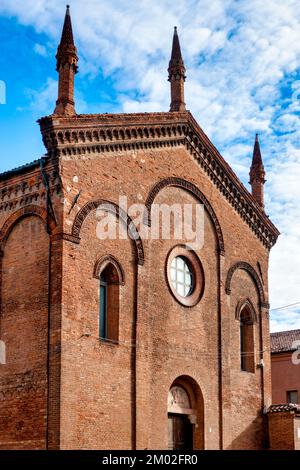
(284, 341)
(20, 169)
(284, 332)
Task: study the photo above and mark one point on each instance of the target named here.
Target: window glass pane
(188, 279)
(292, 396)
(242, 347)
(180, 290)
(102, 316)
(181, 276)
(180, 263)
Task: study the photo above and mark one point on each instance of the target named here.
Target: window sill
(109, 342)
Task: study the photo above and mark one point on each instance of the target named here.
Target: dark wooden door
(180, 432)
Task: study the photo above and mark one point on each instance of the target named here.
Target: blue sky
(243, 77)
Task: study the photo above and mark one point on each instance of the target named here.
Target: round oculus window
(182, 276)
(185, 275)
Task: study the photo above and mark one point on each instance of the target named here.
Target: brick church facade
(105, 347)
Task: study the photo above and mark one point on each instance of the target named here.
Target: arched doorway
(185, 415)
(180, 418)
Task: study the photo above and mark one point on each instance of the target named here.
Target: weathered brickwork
(68, 388)
(101, 383)
(284, 427)
(24, 319)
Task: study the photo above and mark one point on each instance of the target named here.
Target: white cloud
(43, 100)
(40, 49)
(287, 319)
(238, 56)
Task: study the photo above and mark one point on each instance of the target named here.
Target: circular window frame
(187, 268)
(197, 273)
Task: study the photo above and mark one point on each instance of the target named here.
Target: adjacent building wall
(284, 428)
(285, 376)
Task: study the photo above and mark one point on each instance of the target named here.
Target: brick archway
(105, 261)
(118, 212)
(15, 217)
(185, 399)
(242, 304)
(253, 274)
(191, 188)
(25, 296)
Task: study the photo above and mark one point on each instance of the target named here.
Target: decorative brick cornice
(88, 134)
(24, 186)
(92, 134)
(253, 274)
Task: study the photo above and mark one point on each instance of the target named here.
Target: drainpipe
(134, 384)
(48, 340)
(220, 372)
(50, 213)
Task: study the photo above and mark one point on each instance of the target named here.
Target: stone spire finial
(66, 66)
(257, 174)
(176, 75)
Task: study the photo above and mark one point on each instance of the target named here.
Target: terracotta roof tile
(20, 170)
(283, 341)
(284, 408)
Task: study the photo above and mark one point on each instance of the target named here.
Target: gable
(104, 133)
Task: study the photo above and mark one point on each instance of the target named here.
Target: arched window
(110, 276)
(246, 340)
(103, 306)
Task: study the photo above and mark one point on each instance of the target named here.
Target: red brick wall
(285, 377)
(166, 331)
(284, 430)
(245, 402)
(281, 431)
(23, 327)
(96, 396)
(103, 395)
(181, 340)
